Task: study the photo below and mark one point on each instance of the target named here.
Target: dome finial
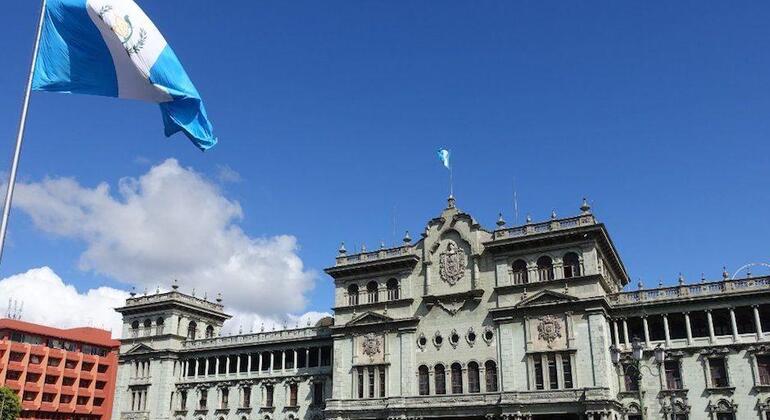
(553, 214)
(219, 297)
(407, 238)
(725, 274)
(451, 202)
(500, 220)
(681, 279)
(640, 285)
(529, 219)
(585, 208)
(342, 250)
(175, 284)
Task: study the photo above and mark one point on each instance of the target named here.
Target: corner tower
(154, 328)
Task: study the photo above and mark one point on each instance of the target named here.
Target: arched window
(519, 272)
(545, 268)
(371, 292)
(423, 380)
(392, 289)
(440, 373)
(134, 329)
(353, 294)
(571, 265)
(490, 371)
(723, 410)
(159, 326)
(209, 332)
(473, 378)
(457, 378)
(192, 330)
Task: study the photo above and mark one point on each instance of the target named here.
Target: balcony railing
(261, 337)
(544, 227)
(691, 290)
(381, 254)
(173, 295)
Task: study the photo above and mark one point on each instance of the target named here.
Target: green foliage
(10, 405)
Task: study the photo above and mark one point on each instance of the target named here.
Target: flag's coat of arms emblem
(124, 29)
(452, 263)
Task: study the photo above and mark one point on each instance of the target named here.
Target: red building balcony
(69, 389)
(70, 373)
(4, 344)
(35, 368)
(90, 358)
(53, 370)
(19, 347)
(32, 387)
(48, 406)
(13, 384)
(38, 350)
(50, 388)
(56, 353)
(17, 366)
(84, 374)
(29, 405)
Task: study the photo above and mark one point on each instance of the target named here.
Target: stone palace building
(518, 323)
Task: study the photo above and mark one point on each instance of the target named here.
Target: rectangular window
(553, 376)
(673, 375)
(360, 382)
(293, 395)
(566, 364)
(268, 396)
(763, 366)
(246, 397)
(630, 379)
(225, 398)
(718, 373)
(538, 366)
(371, 382)
(183, 400)
(318, 393)
(202, 402)
(382, 382)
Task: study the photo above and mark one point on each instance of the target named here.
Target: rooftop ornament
(500, 220)
(681, 279)
(219, 297)
(175, 284)
(585, 208)
(407, 238)
(342, 250)
(553, 214)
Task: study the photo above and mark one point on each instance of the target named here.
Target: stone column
(757, 322)
(646, 331)
(248, 363)
(625, 333)
(687, 327)
(615, 330)
(283, 360)
(206, 372)
(319, 356)
(712, 336)
(272, 361)
(734, 325)
(307, 357)
(227, 365)
(296, 360)
(259, 366)
(666, 330)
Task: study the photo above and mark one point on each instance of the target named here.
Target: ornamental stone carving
(549, 329)
(371, 345)
(452, 263)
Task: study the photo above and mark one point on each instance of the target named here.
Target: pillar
(272, 361)
(206, 371)
(757, 322)
(296, 360)
(646, 331)
(734, 325)
(615, 330)
(259, 366)
(666, 330)
(248, 363)
(625, 333)
(712, 337)
(687, 327)
(307, 357)
(283, 360)
(319, 356)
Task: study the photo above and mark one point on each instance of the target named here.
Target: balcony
(82, 409)
(16, 366)
(32, 386)
(71, 373)
(38, 350)
(50, 388)
(56, 353)
(49, 406)
(18, 347)
(53, 370)
(90, 358)
(100, 393)
(702, 290)
(84, 374)
(135, 415)
(13, 384)
(35, 368)
(105, 377)
(29, 405)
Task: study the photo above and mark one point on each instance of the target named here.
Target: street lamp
(634, 368)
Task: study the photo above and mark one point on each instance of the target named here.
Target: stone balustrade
(257, 338)
(544, 227)
(173, 295)
(381, 254)
(690, 290)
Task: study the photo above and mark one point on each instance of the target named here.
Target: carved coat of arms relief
(371, 345)
(452, 263)
(549, 329)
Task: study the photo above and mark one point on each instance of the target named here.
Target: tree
(10, 405)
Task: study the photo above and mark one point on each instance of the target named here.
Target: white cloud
(227, 174)
(172, 223)
(49, 301)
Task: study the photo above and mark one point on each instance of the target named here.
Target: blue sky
(331, 113)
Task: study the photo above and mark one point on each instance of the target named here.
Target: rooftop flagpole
(20, 135)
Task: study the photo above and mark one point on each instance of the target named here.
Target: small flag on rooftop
(443, 155)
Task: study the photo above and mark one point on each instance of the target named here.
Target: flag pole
(20, 135)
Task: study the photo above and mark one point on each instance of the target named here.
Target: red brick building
(59, 374)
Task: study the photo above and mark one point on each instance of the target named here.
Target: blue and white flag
(443, 155)
(111, 48)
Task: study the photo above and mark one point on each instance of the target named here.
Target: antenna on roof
(14, 309)
(515, 205)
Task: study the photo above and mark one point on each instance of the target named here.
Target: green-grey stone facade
(466, 322)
